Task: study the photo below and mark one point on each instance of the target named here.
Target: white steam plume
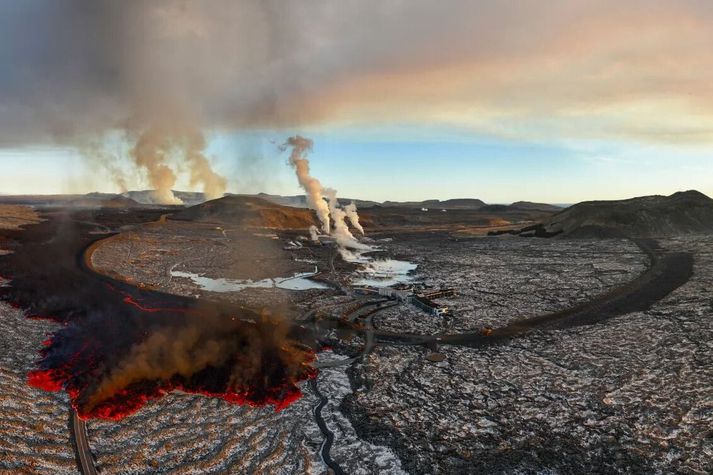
(314, 233)
(353, 217)
(313, 188)
(316, 199)
(341, 232)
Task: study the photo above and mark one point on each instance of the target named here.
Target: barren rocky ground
(149, 255)
(502, 279)
(632, 395)
(33, 423)
(15, 216)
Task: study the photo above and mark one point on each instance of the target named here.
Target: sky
(558, 101)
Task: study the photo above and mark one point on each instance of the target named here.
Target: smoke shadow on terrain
(121, 346)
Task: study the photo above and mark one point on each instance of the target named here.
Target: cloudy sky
(554, 101)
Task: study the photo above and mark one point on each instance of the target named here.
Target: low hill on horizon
(529, 205)
(686, 212)
(248, 211)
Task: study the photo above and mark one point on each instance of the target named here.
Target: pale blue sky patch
(396, 165)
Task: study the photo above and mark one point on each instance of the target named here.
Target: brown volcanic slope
(103, 201)
(16, 216)
(248, 211)
(256, 212)
(689, 212)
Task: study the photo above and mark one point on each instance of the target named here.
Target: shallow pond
(299, 281)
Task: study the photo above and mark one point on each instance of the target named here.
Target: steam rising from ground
(213, 185)
(301, 146)
(341, 232)
(328, 211)
(150, 153)
(314, 233)
(153, 152)
(353, 216)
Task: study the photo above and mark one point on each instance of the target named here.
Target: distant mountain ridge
(191, 198)
(451, 204)
(458, 203)
(89, 200)
(255, 212)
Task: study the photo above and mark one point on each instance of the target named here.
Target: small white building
(393, 293)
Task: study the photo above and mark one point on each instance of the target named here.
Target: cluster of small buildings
(420, 297)
(425, 301)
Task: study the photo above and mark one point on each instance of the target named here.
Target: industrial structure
(437, 294)
(428, 305)
(417, 295)
(398, 294)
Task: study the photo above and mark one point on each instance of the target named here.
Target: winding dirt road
(666, 272)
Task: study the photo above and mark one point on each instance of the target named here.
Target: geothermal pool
(300, 281)
(385, 273)
(378, 272)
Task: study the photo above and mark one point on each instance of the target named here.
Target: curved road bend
(667, 271)
(369, 339)
(85, 460)
(368, 321)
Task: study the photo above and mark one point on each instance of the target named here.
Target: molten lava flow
(205, 352)
(48, 380)
(154, 308)
(120, 347)
(132, 301)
